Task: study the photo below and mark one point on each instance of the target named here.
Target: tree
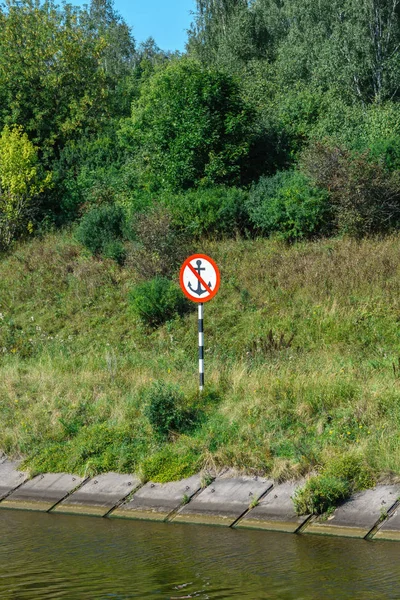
(349, 45)
(21, 183)
(60, 69)
(189, 126)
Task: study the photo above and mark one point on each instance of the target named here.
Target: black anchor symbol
(199, 291)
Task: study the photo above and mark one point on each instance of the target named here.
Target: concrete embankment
(239, 502)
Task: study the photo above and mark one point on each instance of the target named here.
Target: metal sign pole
(200, 283)
(201, 346)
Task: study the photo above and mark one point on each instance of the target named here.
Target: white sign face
(199, 278)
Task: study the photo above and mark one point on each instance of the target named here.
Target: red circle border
(214, 291)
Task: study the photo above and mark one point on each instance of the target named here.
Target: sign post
(200, 279)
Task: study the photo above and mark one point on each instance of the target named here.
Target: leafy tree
(189, 126)
(21, 183)
(350, 45)
(59, 68)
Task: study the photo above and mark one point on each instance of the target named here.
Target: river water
(46, 556)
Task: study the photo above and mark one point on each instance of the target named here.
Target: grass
(302, 364)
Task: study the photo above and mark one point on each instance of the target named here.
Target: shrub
(365, 197)
(289, 205)
(217, 211)
(166, 410)
(157, 301)
(101, 230)
(115, 250)
(388, 151)
(161, 247)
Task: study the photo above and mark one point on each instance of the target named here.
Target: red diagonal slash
(199, 277)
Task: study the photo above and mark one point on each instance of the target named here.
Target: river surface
(46, 556)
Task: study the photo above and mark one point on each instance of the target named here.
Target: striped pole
(201, 347)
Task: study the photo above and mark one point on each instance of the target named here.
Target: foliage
(157, 301)
(159, 246)
(217, 211)
(21, 183)
(366, 198)
(189, 125)
(71, 59)
(100, 230)
(347, 45)
(166, 410)
(289, 205)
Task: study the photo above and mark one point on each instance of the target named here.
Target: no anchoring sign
(200, 282)
(199, 278)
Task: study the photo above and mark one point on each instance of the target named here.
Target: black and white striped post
(201, 347)
(200, 279)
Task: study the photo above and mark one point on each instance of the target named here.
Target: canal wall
(236, 502)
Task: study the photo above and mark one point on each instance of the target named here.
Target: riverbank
(236, 502)
(301, 351)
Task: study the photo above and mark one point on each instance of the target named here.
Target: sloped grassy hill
(302, 364)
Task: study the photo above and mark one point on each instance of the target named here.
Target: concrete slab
(224, 501)
(42, 492)
(357, 516)
(155, 501)
(275, 512)
(390, 530)
(10, 477)
(99, 495)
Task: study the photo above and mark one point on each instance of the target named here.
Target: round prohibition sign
(199, 278)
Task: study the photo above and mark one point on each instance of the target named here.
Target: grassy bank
(302, 366)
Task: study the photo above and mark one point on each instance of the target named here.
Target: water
(46, 556)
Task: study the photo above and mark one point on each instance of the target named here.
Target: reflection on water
(56, 556)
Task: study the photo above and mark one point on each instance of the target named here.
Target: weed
(206, 480)
(254, 502)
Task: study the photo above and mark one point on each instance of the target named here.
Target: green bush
(288, 205)
(115, 250)
(157, 301)
(388, 152)
(101, 231)
(213, 211)
(166, 410)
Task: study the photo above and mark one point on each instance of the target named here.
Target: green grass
(302, 363)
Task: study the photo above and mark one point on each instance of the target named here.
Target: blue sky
(164, 20)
